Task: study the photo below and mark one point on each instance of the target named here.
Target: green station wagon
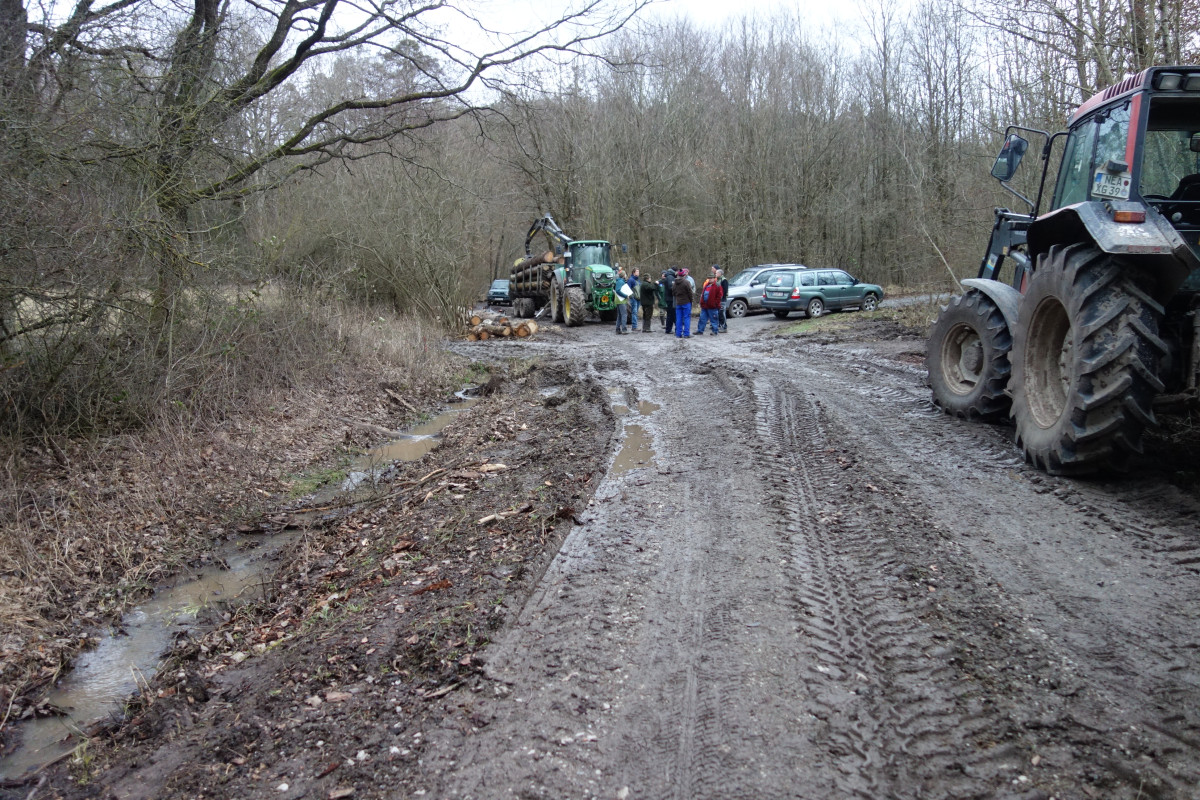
(814, 291)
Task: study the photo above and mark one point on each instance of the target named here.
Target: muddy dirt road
(818, 586)
(788, 576)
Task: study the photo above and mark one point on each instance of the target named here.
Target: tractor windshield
(1167, 157)
(586, 255)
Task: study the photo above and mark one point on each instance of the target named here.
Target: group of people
(674, 293)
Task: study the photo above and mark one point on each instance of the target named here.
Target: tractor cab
(594, 256)
(1130, 151)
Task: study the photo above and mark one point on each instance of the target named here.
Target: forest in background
(202, 199)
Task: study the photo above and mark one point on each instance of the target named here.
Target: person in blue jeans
(622, 302)
(635, 278)
(683, 306)
(710, 303)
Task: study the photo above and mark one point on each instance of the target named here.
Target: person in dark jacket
(683, 305)
(667, 282)
(635, 299)
(649, 294)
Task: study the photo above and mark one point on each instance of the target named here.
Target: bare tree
(181, 71)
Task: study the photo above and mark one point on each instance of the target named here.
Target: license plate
(1108, 184)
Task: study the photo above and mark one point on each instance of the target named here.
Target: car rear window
(779, 280)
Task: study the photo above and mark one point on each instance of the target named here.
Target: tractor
(575, 277)
(1082, 324)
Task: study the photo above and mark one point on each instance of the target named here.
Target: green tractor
(575, 277)
(1084, 320)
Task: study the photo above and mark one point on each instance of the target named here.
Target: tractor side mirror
(1010, 157)
(1194, 143)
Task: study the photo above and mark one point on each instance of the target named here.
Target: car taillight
(796, 293)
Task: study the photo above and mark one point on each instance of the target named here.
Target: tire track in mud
(854, 498)
(897, 720)
(697, 745)
(1139, 674)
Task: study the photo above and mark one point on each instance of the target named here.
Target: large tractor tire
(1084, 362)
(574, 306)
(967, 358)
(556, 301)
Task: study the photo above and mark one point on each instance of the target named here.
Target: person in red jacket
(711, 295)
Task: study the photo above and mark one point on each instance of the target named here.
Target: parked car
(746, 288)
(499, 295)
(814, 291)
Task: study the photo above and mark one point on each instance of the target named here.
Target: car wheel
(780, 314)
(870, 303)
(816, 307)
(737, 309)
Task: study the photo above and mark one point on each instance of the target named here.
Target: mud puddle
(127, 656)
(413, 444)
(637, 448)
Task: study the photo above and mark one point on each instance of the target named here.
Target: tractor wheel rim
(1049, 359)
(962, 359)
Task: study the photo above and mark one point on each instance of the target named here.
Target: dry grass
(88, 526)
(916, 317)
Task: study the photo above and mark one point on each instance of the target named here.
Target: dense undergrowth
(165, 458)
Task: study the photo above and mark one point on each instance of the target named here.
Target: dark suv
(814, 291)
(498, 295)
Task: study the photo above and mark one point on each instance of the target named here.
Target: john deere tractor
(1082, 323)
(575, 277)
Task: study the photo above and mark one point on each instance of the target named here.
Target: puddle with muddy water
(637, 448)
(412, 444)
(102, 678)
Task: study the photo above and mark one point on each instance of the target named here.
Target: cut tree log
(483, 325)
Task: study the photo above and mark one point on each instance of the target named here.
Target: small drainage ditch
(128, 654)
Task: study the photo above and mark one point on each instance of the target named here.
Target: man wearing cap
(666, 283)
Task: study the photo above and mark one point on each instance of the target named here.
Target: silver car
(746, 288)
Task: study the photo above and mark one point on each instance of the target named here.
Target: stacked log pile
(484, 325)
(530, 274)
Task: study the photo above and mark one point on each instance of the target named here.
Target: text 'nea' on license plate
(1108, 184)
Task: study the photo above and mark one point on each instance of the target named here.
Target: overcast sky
(523, 15)
(714, 13)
